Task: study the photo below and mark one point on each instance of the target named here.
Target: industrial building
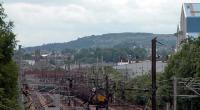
(189, 22)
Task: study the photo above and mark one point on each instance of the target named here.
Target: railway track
(36, 101)
(60, 84)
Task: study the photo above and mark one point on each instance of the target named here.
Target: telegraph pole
(102, 65)
(97, 72)
(153, 73)
(175, 92)
(20, 78)
(107, 84)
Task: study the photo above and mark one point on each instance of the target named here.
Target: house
(189, 23)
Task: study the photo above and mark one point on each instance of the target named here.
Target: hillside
(108, 41)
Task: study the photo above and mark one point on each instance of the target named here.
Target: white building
(190, 22)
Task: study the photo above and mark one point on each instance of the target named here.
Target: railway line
(71, 90)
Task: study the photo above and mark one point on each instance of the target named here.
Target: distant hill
(108, 41)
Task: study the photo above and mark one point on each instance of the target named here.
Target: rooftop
(192, 9)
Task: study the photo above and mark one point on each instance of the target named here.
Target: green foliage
(27, 56)
(185, 63)
(68, 51)
(140, 93)
(110, 40)
(113, 74)
(110, 54)
(163, 53)
(8, 69)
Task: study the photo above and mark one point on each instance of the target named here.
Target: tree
(185, 63)
(8, 69)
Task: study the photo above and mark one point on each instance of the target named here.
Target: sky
(39, 22)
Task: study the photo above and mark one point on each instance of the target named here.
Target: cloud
(39, 22)
(36, 24)
(30, 14)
